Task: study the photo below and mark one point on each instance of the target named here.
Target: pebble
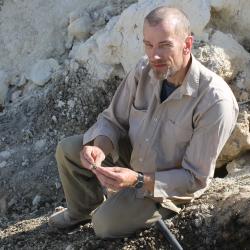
(12, 202)
(54, 119)
(25, 163)
(36, 200)
(211, 206)
(69, 247)
(60, 104)
(3, 205)
(5, 154)
(58, 185)
(198, 222)
(71, 104)
(74, 66)
(3, 164)
(3, 87)
(60, 208)
(15, 95)
(22, 81)
(40, 144)
(244, 96)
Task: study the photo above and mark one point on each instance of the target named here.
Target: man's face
(164, 49)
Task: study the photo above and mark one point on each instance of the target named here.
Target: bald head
(173, 15)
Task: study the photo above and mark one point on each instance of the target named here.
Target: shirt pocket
(136, 119)
(180, 134)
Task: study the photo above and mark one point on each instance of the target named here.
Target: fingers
(110, 172)
(85, 163)
(93, 154)
(99, 159)
(106, 182)
(87, 154)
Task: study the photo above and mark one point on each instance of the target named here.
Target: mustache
(158, 62)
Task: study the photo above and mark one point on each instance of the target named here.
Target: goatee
(162, 75)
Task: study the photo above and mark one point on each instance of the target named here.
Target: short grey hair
(158, 15)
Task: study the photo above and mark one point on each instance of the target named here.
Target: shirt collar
(190, 83)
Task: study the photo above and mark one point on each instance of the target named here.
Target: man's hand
(90, 155)
(116, 178)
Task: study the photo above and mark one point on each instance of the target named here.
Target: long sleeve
(210, 135)
(113, 121)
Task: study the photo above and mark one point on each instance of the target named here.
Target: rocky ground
(30, 128)
(212, 222)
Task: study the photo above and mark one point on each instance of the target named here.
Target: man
(177, 115)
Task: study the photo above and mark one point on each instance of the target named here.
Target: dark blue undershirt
(166, 90)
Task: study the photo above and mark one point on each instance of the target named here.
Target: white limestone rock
(15, 95)
(42, 71)
(36, 201)
(99, 61)
(5, 154)
(22, 81)
(216, 60)
(3, 87)
(233, 17)
(81, 27)
(239, 141)
(239, 58)
(233, 167)
(3, 164)
(40, 145)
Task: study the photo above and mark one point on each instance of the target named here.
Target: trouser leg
(123, 213)
(82, 190)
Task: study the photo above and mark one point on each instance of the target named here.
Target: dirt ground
(30, 187)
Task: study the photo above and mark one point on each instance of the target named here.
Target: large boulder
(81, 27)
(232, 17)
(215, 59)
(239, 58)
(239, 142)
(42, 71)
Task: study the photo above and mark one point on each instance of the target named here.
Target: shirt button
(140, 159)
(146, 140)
(155, 119)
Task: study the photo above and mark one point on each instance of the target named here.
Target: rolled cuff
(174, 185)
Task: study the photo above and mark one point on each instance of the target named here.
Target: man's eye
(148, 45)
(166, 45)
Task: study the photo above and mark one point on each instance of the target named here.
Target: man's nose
(155, 55)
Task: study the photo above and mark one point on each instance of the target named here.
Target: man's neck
(178, 78)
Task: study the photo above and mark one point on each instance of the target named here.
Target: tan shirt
(179, 139)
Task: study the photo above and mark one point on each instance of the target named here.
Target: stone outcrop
(42, 71)
(239, 142)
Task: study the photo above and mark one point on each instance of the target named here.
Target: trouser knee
(105, 227)
(120, 215)
(69, 148)
(59, 154)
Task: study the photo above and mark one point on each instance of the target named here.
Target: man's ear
(188, 45)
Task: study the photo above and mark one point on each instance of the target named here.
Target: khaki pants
(118, 216)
